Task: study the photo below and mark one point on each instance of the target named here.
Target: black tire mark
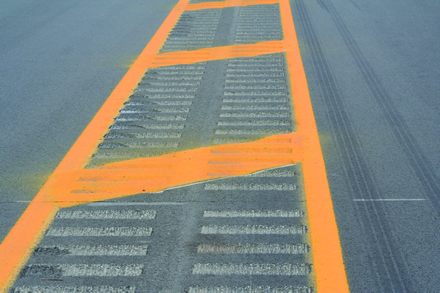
(420, 164)
(388, 265)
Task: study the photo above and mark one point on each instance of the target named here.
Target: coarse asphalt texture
(59, 63)
(372, 70)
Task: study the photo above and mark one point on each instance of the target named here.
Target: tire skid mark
(420, 164)
(372, 215)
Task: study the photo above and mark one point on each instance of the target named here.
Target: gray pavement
(230, 234)
(59, 63)
(372, 69)
(208, 237)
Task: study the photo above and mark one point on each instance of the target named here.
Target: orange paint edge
(25, 234)
(146, 175)
(18, 245)
(326, 248)
(218, 53)
(89, 140)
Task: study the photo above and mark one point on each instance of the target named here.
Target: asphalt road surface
(59, 63)
(373, 73)
(372, 69)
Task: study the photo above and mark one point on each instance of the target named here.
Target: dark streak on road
(375, 250)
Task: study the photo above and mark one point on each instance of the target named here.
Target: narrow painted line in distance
(326, 248)
(16, 248)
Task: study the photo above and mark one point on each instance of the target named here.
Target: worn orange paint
(327, 253)
(218, 53)
(18, 245)
(153, 174)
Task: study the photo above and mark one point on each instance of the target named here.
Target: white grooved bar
(249, 75)
(81, 289)
(157, 118)
(181, 72)
(253, 214)
(285, 269)
(254, 229)
(108, 214)
(151, 126)
(251, 187)
(255, 100)
(179, 67)
(173, 78)
(95, 250)
(256, 80)
(96, 232)
(101, 270)
(299, 248)
(145, 135)
(273, 173)
(253, 123)
(253, 107)
(255, 60)
(254, 115)
(250, 131)
(84, 270)
(250, 289)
